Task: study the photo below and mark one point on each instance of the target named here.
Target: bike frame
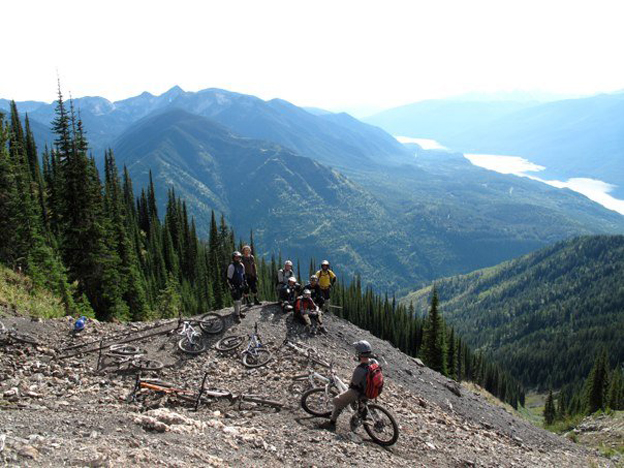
(189, 331)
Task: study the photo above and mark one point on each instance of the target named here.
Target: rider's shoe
(256, 301)
(308, 330)
(329, 425)
(323, 330)
(242, 314)
(237, 318)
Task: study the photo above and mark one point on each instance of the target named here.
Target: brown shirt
(250, 266)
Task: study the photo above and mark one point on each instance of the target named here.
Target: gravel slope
(64, 412)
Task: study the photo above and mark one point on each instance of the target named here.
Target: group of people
(306, 302)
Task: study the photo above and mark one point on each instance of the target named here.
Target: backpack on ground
(374, 381)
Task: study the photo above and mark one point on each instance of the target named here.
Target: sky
(339, 55)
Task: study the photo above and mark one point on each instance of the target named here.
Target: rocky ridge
(66, 412)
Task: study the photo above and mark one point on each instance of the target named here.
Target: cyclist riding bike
(306, 310)
(357, 387)
(326, 279)
(237, 283)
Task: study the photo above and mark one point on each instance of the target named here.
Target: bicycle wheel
(256, 358)
(124, 349)
(211, 323)
(196, 347)
(147, 364)
(318, 402)
(24, 338)
(381, 426)
(229, 343)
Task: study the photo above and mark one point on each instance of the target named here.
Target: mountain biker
(289, 294)
(282, 277)
(237, 284)
(326, 279)
(357, 387)
(251, 275)
(315, 290)
(306, 309)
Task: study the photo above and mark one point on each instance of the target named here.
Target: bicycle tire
(191, 348)
(229, 343)
(324, 409)
(147, 364)
(370, 428)
(211, 323)
(24, 338)
(262, 357)
(124, 349)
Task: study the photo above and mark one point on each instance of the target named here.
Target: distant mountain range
(398, 215)
(572, 138)
(336, 139)
(545, 315)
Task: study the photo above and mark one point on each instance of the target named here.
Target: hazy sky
(332, 54)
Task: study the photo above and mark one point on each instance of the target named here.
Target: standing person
(357, 387)
(251, 275)
(315, 291)
(326, 279)
(282, 278)
(237, 284)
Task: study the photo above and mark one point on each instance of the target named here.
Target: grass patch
(18, 296)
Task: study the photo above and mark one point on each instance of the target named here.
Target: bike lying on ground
(203, 395)
(130, 356)
(8, 336)
(192, 341)
(304, 350)
(255, 355)
(378, 422)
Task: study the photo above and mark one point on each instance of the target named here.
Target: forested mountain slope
(545, 315)
(294, 204)
(396, 227)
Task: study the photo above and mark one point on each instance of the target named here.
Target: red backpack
(374, 381)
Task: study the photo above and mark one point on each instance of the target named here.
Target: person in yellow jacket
(326, 279)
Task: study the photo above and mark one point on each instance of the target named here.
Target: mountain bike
(192, 342)
(378, 422)
(211, 323)
(204, 395)
(304, 350)
(304, 382)
(132, 357)
(255, 355)
(8, 336)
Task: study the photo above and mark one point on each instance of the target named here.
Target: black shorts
(252, 284)
(325, 293)
(237, 293)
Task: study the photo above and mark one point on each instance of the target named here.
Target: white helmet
(292, 279)
(307, 293)
(324, 263)
(288, 263)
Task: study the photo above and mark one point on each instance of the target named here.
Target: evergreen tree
(434, 349)
(596, 384)
(549, 410)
